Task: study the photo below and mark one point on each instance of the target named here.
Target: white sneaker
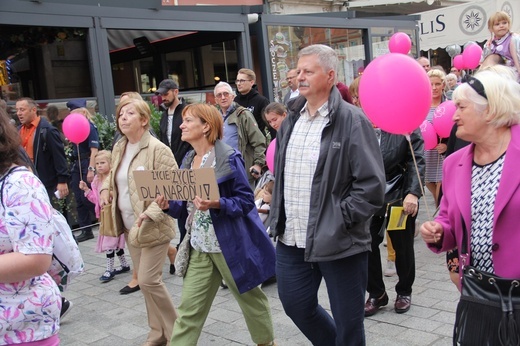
(390, 269)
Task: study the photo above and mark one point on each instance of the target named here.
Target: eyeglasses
(288, 77)
(238, 81)
(225, 94)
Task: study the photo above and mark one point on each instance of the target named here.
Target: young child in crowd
(503, 42)
(264, 201)
(106, 243)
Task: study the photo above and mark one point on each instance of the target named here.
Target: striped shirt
(303, 150)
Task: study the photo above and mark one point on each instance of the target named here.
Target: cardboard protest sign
(177, 184)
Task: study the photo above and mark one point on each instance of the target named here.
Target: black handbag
(393, 197)
(489, 307)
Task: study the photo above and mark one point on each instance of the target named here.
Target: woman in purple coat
(228, 240)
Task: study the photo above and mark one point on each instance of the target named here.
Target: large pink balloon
(395, 93)
(269, 155)
(400, 43)
(458, 62)
(76, 128)
(472, 54)
(443, 118)
(429, 135)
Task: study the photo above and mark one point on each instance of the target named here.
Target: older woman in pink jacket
(481, 182)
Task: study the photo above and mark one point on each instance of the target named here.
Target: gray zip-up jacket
(348, 184)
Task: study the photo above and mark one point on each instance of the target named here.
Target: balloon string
(79, 164)
(430, 218)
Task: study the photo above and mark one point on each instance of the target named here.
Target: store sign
(454, 25)
(461, 23)
(210, 2)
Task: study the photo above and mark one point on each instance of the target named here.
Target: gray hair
(224, 85)
(451, 76)
(503, 97)
(327, 57)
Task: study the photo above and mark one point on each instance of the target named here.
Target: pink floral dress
(30, 309)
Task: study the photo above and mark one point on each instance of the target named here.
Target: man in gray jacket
(241, 131)
(329, 182)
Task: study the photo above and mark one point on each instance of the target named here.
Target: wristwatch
(92, 169)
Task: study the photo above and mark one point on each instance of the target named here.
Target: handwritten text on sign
(177, 184)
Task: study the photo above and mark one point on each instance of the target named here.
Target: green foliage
(106, 130)
(156, 119)
(106, 126)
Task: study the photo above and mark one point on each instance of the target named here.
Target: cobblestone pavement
(102, 317)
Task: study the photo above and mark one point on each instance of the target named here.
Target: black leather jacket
(397, 157)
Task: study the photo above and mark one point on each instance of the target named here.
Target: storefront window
(44, 63)
(286, 41)
(381, 36)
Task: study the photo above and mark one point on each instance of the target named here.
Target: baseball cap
(74, 104)
(166, 85)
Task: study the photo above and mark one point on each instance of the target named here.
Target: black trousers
(84, 207)
(402, 242)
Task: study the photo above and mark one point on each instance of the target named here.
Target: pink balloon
(472, 54)
(443, 118)
(400, 43)
(269, 155)
(76, 128)
(395, 93)
(429, 135)
(458, 62)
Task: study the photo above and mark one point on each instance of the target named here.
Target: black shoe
(373, 305)
(107, 276)
(223, 285)
(127, 289)
(85, 235)
(172, 269)
(121, 270)
(65, 307)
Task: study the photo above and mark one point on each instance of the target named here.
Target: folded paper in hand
(397, 219)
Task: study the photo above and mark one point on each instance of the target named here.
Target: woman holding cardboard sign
(225, 237)
(148, 230)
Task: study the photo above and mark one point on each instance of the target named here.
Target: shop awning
(462, 23)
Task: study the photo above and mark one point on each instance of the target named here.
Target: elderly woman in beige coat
(138, 150)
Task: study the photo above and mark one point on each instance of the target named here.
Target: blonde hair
(248, 72)
(84, 112)
(497, 17)
(140, 106)
(131, 95)
(354, 87)
(107, 154)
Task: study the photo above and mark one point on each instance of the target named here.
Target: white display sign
(462, 23)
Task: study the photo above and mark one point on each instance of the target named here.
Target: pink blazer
(506, 219)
